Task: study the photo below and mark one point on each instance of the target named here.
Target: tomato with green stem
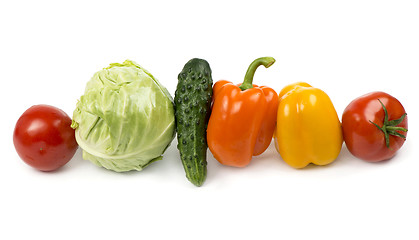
(374, 126)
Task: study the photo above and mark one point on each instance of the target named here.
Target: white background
(50, 49)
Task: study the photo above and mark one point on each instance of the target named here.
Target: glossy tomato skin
(363, 139)
(43, 137)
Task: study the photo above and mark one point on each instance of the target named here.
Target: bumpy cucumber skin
(192, 110)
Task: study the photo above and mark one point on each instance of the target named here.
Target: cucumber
(192, 110)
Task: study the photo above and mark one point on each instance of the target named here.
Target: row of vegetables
(126, 119)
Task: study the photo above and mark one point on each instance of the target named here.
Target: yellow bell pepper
(308, 129)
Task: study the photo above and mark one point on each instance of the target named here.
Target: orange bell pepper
(243, 118)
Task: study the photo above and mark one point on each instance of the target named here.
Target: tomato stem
(396, 129)
(390, 127)
(248, 78)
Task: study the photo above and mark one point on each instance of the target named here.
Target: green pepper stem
(248, 78)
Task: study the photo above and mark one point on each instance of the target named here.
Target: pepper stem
(390, 127)
(248, 78)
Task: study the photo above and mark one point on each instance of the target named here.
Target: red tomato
(43, 137)
(374, 126)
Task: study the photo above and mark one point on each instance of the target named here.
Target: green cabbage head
(125, 119)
